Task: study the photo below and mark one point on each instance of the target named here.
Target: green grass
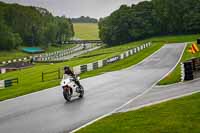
(30, 79)
(176, 116)
(176, 38)
(175, 76)
(15, 54)
(86, 31)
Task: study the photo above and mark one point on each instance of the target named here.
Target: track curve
(46, 111)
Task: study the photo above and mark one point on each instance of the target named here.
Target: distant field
(176, 116)
(86, 31)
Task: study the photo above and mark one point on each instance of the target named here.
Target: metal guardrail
(45, 55)
(83, 41)
(8, 82)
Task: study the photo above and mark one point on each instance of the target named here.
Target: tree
(8, 40)
(33, 26)
(149, 18)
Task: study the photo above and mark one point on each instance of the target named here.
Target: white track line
(117, 109)
(161, 101)
(179, 83)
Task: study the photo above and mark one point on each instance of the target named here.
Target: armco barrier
(10, 82)
(90, 67)
(2, 85)
(83, 68)
(95, 65)
(101, 63)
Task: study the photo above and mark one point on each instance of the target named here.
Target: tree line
(31, 26)
(150, 18)
(84, 19)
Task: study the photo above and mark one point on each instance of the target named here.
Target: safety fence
(51, 75)
(8, 83)
(190, 69)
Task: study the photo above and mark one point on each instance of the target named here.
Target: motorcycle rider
(70, 73)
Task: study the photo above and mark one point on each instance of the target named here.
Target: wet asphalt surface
(47, 112)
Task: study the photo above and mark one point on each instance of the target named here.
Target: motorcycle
(70, 88)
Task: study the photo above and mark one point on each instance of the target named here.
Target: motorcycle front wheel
(67, 95)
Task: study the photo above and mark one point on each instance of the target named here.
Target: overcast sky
(76, 8)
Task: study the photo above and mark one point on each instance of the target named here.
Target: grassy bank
(175, 76)
(176, 116)
(86, 31)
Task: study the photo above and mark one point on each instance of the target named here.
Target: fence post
(42, 77)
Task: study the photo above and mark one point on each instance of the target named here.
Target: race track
(47, 111)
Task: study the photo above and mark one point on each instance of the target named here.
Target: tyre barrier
(188, 70)
(191, 69)
(198, 41)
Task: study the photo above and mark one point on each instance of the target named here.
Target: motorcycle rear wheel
(81, 92)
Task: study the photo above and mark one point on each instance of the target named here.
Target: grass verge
(176, 116)
(175, 76)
